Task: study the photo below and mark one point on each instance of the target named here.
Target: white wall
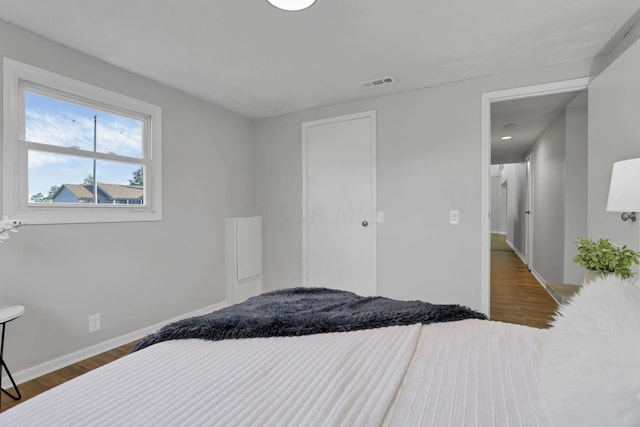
(548, 202)
(614, 134)
(575, 189)
(428, 164)
(149, 272)
(498, 205)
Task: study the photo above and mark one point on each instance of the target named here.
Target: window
(77, 153)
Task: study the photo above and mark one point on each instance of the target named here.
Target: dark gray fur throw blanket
(306, 311)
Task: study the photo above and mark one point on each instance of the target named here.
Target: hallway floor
(516, 295)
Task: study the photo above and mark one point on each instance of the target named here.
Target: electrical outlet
(454, 217)
(94, 323)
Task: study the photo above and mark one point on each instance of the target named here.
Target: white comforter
(452, 374)
(472, 373)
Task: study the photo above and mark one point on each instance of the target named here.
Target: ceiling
(251, 58)
(524, 120)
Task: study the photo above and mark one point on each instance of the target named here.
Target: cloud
(42, 158)
(120, 136)
(60, 129)
(115, 134)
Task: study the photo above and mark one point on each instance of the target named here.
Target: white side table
(7, 314)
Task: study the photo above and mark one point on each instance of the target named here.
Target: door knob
(365, 223)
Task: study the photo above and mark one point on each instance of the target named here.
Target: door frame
(529, 207)
(373, 223)
(487, 98)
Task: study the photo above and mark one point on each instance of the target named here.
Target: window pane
(120, 183)
(64, 124)
(58, 178)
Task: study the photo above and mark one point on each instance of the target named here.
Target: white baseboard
(71, 358)
(538, 278)
(520, 255)
(533, 271)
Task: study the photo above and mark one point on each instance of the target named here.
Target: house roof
(256, 60)
(78, 190)
(112, 191)
(117, 191)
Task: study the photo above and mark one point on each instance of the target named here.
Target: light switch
(454, 217)
(380, 217)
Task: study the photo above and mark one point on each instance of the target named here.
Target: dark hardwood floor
(38, 385)
(516, 297)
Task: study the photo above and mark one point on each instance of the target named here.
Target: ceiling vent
(379, 81)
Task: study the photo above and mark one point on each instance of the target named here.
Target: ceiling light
(505, 138)
(292, 5)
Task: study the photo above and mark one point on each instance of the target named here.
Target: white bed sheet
(473, 373)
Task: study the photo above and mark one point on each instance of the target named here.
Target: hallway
(516, 295)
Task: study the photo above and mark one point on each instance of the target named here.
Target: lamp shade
(292, 5)
(624, 190)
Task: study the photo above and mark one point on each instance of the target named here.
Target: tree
(41, 198)
(88, 180)
(37, 198)
(52, 192)
(137, 178)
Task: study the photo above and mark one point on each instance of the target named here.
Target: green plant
(605, 257)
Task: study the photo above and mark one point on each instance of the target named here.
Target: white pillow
(590, 367)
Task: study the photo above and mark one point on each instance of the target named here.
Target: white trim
(16, 76)
(538, 278)
(529, 223)
(487, 98)
(374, 204)
(77, 356)
(517, 252)
(533, 272)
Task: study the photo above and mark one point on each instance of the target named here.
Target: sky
(56, 122)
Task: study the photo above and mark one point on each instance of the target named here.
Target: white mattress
(470, 372)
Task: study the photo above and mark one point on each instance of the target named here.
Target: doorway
(339, 202)
(488, 99)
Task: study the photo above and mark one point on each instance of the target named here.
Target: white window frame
(16, 77)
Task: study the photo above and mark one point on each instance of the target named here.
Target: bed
(435, 372)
